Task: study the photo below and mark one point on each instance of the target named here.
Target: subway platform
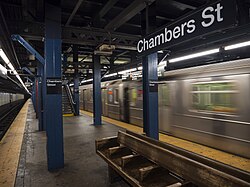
(27, 165)
(82, 166)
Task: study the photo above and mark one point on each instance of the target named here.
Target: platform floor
(10, 147)
(83, 167)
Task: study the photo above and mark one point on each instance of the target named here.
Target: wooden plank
(189, 169)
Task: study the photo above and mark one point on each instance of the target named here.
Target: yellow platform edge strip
(68, 115)
(226, 158)
(10, 148)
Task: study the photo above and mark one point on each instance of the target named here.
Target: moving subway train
(208, 104)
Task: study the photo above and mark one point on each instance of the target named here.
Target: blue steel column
(53, 102)
(150, 76)
(34, 94)
(40, 71)
(76, 80)
(151, 93)
(97, 100)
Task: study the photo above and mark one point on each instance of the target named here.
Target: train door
(164, 107)
(104, 102)
(84, 100)
(126, 104)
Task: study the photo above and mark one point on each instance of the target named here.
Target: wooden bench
(142, 161)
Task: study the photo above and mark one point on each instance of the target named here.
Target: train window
(164, 95)
(116, 96)
(140, 93)
(110, 95)
(215, 97)
(133, 97)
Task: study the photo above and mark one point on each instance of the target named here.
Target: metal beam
(150, 77)
(53, 89)
(78, 4)
(40, 81)
(97, 101)
(104, 10)
(129, 12)
(81, 36)
(76, 79)
(27, 46)
(4, 29)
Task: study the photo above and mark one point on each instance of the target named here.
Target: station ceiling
(88, 24)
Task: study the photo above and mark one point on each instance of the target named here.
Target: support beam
(40, 84)
(134, 8)
(104, 10)
(78, 4)
(150, 76)
(26, 45)
(53, 93)
(76, 80)
(80, 36)
(97, 101)
(41, 79)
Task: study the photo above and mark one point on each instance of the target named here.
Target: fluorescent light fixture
(195, 55)
(238, 45)
(3, 71)
(88, 80)
(127, 71)
(162, 63)
(7, 61)
(140, 68)
(110, 75)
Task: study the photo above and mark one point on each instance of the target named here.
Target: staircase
(67, 101)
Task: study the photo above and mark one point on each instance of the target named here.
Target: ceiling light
(3, 71)
(195, 55)
(238, 45)
(140, 68)
(110, 75)
(88, 80)
(7, 61)
(127, 71)
(162, 63)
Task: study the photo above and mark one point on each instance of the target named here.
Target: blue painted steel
(145, 94)
(33, 96)
(76, 80)
(16, 37)
(40, 72)
(150, 90)
(76, 95)
(28, 71)
(97, 100)
(53, 102)
(42, 82)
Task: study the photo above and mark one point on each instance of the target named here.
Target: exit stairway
(67, 101)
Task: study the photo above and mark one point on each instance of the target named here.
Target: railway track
(144, 162)
(7, 115)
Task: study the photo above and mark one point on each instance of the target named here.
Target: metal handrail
(71, 100)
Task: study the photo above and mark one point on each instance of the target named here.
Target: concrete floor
(82, 166)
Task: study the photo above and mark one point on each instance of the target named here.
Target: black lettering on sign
(54, 85)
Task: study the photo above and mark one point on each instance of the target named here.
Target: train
(8, 98)
(207, 104)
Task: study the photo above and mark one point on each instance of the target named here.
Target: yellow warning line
(68, 115)
(10, 148)
(227, 158)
